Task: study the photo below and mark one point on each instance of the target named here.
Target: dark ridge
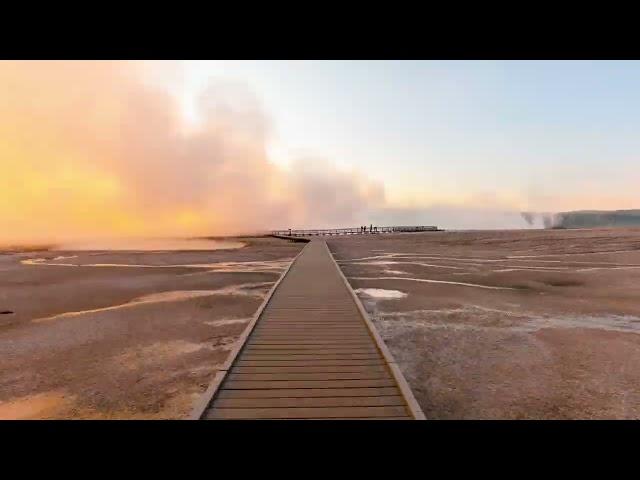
(595, 218)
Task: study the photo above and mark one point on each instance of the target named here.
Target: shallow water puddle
(227, 321)
(395, 272)
(380, 293)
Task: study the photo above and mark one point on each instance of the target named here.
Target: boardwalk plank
(309, 363)
(302, 338)
(309, 376)
(327, 346)
(310, 392)
(341, 342)
(317, 350)
(306, 412)
(361, 419)
(342, 328)
(309, 369)
(380, 401)
(312, 356)
(325, 351)
(279, 384)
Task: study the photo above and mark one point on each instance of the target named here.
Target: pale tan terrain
(507, 324)
(112, 334)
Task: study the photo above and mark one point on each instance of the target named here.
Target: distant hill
(596, 218)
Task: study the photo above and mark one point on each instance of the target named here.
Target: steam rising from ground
(92, 149)
(96, 151)
(546, 220)
(585, 219)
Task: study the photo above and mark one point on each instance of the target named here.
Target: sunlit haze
(111, 149)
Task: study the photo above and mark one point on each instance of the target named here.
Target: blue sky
(531, 135)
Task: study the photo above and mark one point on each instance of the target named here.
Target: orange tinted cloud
(90, 149)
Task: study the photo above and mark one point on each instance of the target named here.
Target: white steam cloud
(90, 149)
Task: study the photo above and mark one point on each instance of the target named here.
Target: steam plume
(529, 217)
(91, 149)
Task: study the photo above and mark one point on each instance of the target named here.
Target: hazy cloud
(91, 149)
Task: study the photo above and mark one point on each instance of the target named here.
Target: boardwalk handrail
(354, 230)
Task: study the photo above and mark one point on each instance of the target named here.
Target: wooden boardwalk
(354, 231)
(311, 353)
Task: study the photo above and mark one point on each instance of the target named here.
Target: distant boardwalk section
(355, 230)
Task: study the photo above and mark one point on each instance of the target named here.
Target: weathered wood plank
(336, 329)
(279, 384)
(309, 392)
(308, 376)
(380, 401)
(338, 326)
(326, 329)
(312, 356)
(306, 412)
(299, 336)
(361, 419)
(319, 337)
(316, 352)
(309, 363)
(320, 343)
(309, 369)
(326, 347)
